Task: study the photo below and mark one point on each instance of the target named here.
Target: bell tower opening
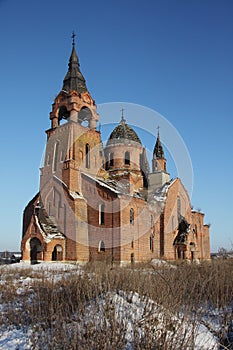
(84, 117)
(63, 115)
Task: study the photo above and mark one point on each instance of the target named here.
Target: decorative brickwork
(100, 203)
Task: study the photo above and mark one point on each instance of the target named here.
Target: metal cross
(122, 114)
(73, 36)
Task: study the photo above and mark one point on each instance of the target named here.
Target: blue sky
(173, 56)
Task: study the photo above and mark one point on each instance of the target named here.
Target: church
(102, 202)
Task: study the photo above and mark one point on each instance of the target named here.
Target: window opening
(127, 158)
(111, 159)
(101, 214)
(101, 246)
(131, 216)
(87, 156)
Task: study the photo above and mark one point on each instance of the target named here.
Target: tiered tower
(73, 143)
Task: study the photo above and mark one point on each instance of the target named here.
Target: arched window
(64, 223)
(81, 156)
(151, 221)
(195, 230)
(62, 155)
(49, 159)
(151, 244)
(127, 158)
(87, 155)
(101, 247)
(173, 223)
(111, 159)
(55, 156)
(131, 216)
(178, 209)
(132, 259)
(101, 214)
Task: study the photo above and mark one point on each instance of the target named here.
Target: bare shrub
(78, 310)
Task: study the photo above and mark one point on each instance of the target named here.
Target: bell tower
(74, 102)
(159, 175)
(73, 143)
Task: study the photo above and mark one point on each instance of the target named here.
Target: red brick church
(104, 203)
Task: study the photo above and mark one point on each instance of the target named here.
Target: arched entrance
(35, 250)
(57, 254)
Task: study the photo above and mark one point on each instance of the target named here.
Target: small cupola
(159, 160)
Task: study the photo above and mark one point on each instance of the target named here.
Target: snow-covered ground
(129, 308)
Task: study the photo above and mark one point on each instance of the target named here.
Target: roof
(102, 183)
(158, 149)
(47, 224)
(123, 133)
(160, 194)
(116, 187)
(74, 79)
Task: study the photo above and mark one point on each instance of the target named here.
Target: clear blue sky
(174, 56)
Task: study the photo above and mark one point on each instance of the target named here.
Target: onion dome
(123, 133)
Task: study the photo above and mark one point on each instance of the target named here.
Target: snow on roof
(102, 183)
(75, 195)
(160, 194)
(118, 187)
(47, 231)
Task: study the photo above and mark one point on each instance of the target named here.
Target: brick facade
(100, 203)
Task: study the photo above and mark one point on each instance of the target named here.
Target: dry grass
(58, 310)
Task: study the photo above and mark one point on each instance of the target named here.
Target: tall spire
(74, 79)
(158, 149)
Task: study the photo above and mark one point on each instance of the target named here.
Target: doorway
(35, 250)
